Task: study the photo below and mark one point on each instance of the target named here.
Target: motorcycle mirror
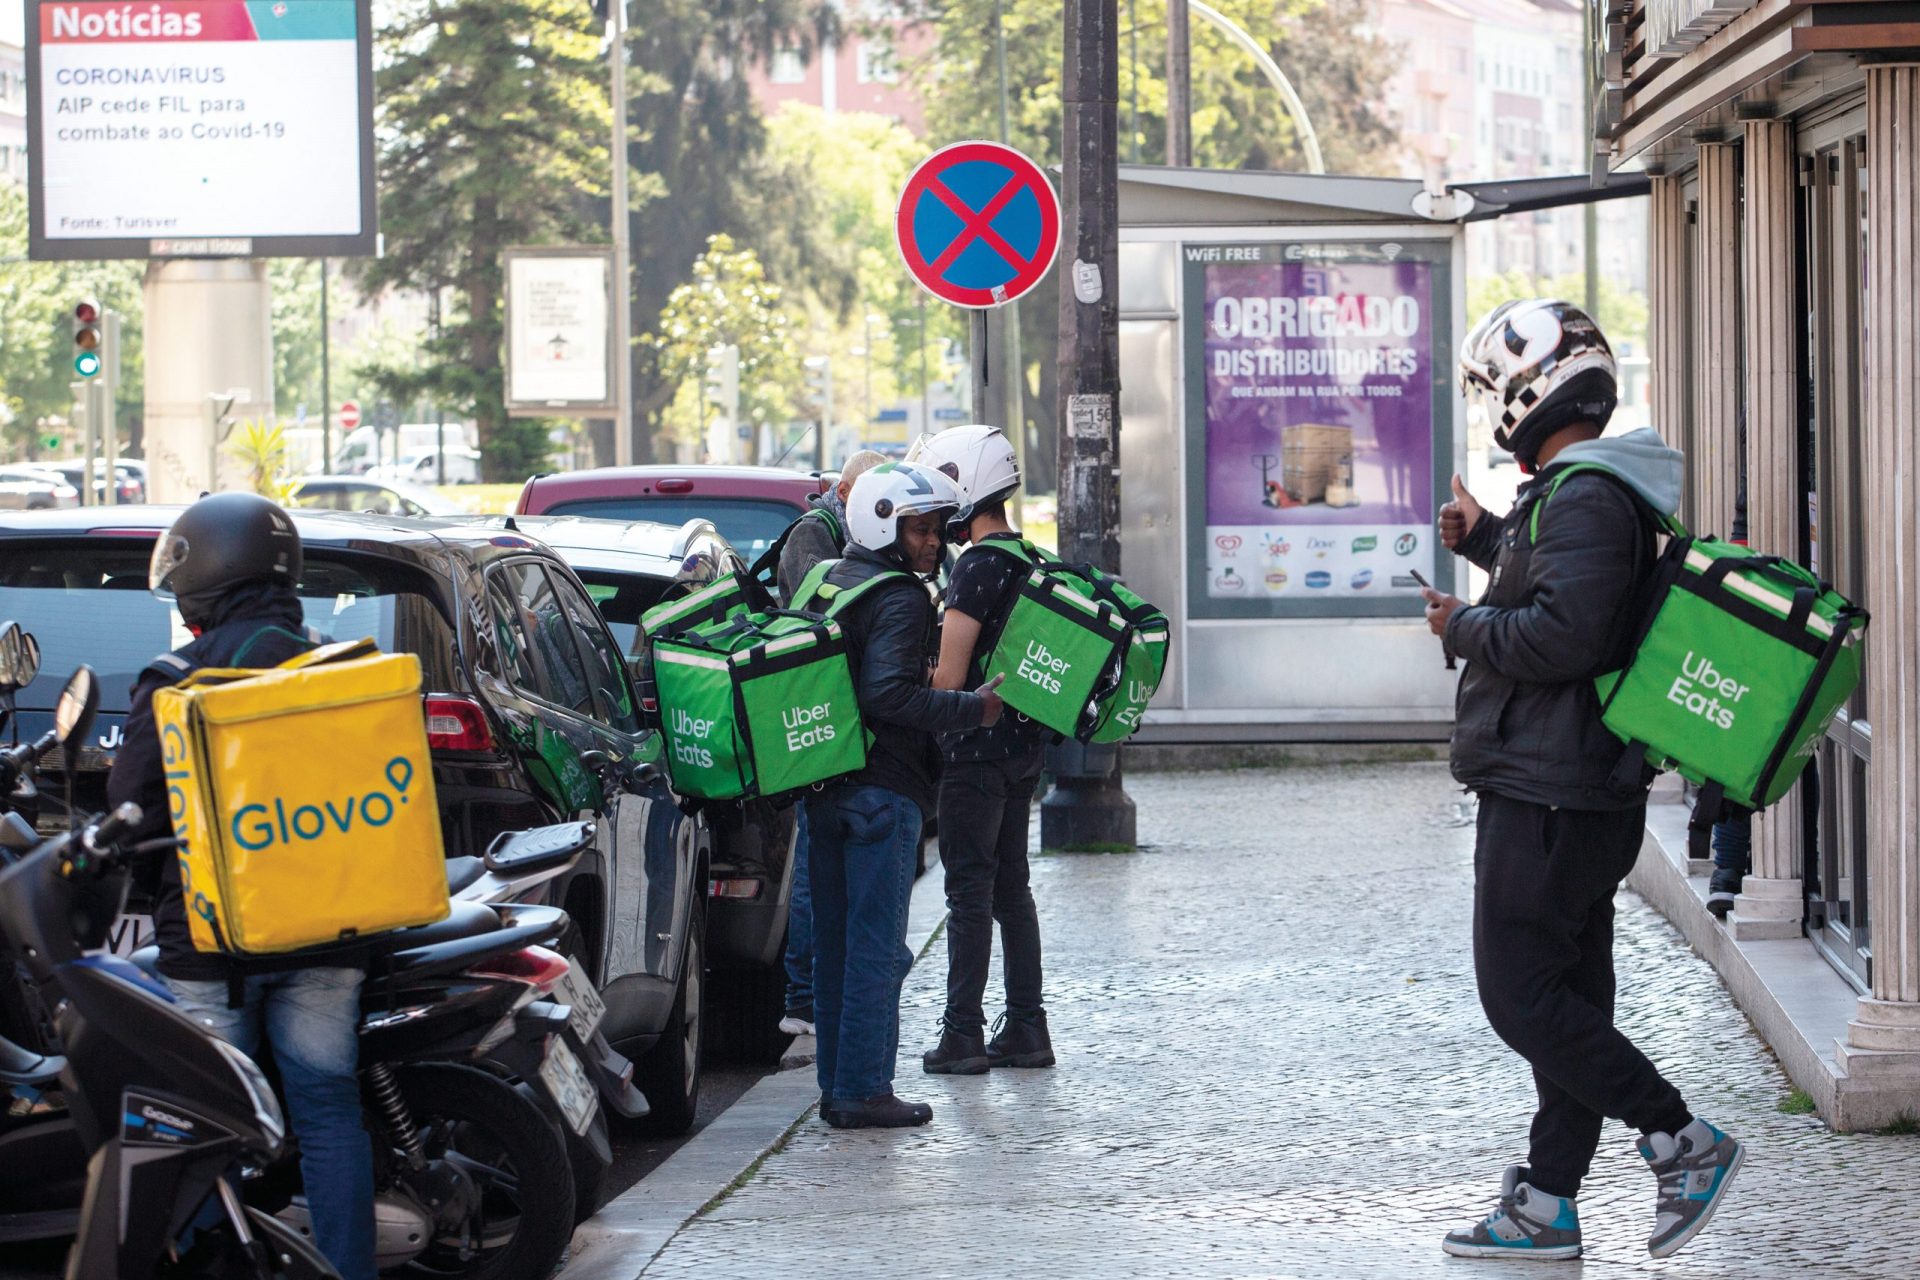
(32, 660)
(79, 702)
(13, 655)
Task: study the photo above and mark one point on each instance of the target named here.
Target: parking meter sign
(978, 224)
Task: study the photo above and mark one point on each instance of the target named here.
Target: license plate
(567, 1081)
(129, 934)
(584, 1004)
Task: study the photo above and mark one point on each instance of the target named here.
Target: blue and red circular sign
(978, 224)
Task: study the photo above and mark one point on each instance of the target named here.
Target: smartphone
(1415, 575)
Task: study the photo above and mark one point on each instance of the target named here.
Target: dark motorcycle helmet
(1535, 366)
(223, 541)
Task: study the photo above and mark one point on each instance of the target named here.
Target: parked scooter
(167, 1111)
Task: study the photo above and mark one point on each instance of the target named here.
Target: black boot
(882, 1111)
(1021, 1040)
(959, 1053)
(1722, 889)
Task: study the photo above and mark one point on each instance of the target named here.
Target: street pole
(1179, 83)
(439, 408)
(326, 379)
(926, 403)
(1088, 807)
(1014, 374)
(104, 423)
(982, 374)
(1590, 213)
(826, 417)
(623, 425)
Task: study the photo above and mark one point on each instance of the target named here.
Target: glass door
(1832, 227)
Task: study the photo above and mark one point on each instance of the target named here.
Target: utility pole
(326, 378)
(1015, 374)
(1179, 85)
(1590, 212)
(623, 441)
(1088, 805)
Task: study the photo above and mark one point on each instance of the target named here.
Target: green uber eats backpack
(1740, 664)
(1080, 652)
(754, 701)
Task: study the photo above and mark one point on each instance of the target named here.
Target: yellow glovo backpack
(304, 794)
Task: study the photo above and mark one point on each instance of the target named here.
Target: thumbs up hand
(1458, 517)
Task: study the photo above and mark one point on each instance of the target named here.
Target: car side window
(535, 638)
(604, 668)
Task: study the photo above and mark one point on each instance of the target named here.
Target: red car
(750, 506)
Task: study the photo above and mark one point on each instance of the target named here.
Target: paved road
(1273, 1063)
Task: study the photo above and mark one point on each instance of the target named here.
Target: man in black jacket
(1561, 814)
(230, 563)
(865, 830)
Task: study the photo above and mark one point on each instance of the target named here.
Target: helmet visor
(169, 553)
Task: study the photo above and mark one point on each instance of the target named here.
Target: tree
(494, 117)
(1623, 311)
(698, 152)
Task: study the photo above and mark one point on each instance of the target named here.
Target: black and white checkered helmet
(1537, 365)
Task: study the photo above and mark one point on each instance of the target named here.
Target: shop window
(876, 64)
(788, 67)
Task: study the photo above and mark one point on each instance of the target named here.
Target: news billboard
(200, 128)
(1319, 413)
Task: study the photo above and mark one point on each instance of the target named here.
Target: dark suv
(531, 716)
(628, 567)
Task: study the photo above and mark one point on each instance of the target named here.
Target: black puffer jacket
(890, 634)
(1556, 615)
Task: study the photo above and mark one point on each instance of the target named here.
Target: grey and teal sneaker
(1528, 1224)
(1695, 1167)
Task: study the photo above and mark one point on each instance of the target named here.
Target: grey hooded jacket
(1557, 614)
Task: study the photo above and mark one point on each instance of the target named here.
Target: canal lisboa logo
(256, 826)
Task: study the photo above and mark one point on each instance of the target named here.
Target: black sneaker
(959, 1053)
(1722, 889)
(882, 1111)
(1020, 1040)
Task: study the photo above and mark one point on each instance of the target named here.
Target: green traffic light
(87, 364)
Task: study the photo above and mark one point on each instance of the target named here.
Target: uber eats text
(1041, 666)
(1700, 686)
(807, 726)
(684, 727)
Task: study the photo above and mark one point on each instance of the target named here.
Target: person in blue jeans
(229, 564)
(864, 831)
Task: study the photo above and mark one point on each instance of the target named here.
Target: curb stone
(621, 1241)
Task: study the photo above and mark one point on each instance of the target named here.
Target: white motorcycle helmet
(977, 458)
(892, 490)
(1536, 366)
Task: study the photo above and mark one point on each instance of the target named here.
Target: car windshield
(750, 524)
(88, 602)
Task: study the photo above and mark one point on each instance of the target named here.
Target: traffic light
(820, 382)
(723, 378)
(86, 337)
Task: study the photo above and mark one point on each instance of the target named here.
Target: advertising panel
(1319, 426)
(559, 348)
(200, 128)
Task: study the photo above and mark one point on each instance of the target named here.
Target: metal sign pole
(623, 425)
(109, 381)
(83, 420)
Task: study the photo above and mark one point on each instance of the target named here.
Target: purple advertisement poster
(1318, 402)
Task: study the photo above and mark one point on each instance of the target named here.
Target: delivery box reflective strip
(1054, 650)
(292, 841)
(1743, 664)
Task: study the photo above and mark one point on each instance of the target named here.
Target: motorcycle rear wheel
(517, 1160)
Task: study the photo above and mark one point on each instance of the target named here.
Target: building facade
(1784, 142)
(13, 92)
(867, 69)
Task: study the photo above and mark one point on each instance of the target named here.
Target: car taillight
(536, 966)
(733, 888)
(457, 724)
(674, 486)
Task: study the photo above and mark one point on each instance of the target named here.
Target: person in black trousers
(1561, 817)
(988, 779)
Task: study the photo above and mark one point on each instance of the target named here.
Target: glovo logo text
(258, 826)
(687, 727)
(1042, 667)
(1700, 686)
(807, 726)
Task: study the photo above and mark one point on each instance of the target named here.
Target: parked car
(422, 467)
(628, 567)
(381, 497)
(130, 477)
(748, 505)
(531, 716)
(27, 488)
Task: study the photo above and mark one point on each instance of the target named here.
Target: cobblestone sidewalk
(1273, 1063)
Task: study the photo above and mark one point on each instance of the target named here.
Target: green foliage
(261, 447)
(36, 343)
(1904, 1125)
(728, 301)
(1623, 312)
(1797, 1103)
(494, 121)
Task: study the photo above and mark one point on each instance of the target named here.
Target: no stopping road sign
(978, 224)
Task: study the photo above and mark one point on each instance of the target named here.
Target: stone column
(1715, 365)
(1770, 903)
(209, 332)
(1669, 303)
(1883, 1040)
